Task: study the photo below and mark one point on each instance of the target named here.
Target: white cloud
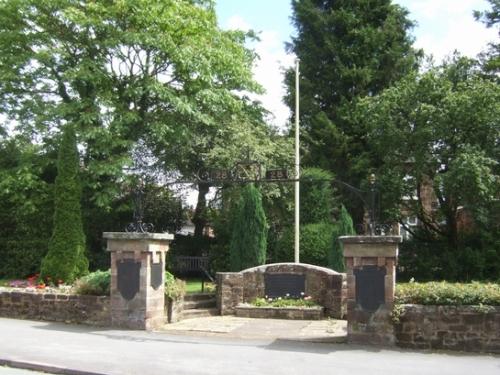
(268, 69)
(448, 25)
(236, 22)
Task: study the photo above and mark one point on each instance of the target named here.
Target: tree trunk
(200, 218)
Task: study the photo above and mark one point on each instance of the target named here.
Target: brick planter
(326, 287)
(294, 313)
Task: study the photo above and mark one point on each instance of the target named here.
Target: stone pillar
(371, 279)
(137, 278)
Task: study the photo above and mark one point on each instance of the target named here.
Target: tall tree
(348, 49)
(66, 258)
(249, 231)
(119, 71)
(491, 18)
(438, 130)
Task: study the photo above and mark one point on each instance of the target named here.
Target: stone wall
(464, 328)
(91, 310)
(326, 287)
(371, 275)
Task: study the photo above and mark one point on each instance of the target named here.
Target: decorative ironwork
(284, 285)
(138, 225)
(128, 278)
(250, 171)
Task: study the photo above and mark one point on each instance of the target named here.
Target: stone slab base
(294, 313)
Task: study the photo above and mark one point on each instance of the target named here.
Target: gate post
(137, 278)
(371, 279)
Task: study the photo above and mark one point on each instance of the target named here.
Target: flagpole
(297, 166)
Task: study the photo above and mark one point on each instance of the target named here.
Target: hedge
(22, 257)
(444, 293)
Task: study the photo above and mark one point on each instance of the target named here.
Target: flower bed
(295, 313)
(281, 308)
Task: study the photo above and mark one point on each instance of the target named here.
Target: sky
(442, 27)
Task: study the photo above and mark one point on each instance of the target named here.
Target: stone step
(200, 304)
(199, 313)
(198, 296)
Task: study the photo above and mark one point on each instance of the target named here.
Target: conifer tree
(66, 258)
(343, 227)
(249, 237)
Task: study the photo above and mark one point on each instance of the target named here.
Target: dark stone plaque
(283, 284)
(156, 274)
(128, 277)
(370, 287)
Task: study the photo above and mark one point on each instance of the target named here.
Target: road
(106, 351)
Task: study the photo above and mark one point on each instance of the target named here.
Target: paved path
(105, 351)
(329, 330)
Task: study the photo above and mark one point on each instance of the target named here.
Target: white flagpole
(297, 166)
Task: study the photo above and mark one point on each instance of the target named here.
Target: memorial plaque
(156, 274)
(129, 272)
(370, 287)
(284, 284)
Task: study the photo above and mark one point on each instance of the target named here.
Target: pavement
(226, 346)
(328, 330)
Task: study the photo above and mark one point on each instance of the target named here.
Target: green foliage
(476, 258)
(283, 302)
(491, 57)
(66, 258)
(249, 231)
(438, 130)
(174, 288)
(96, 284)
(443, 293)
(347, 50)
(316, 196)
(21, 257)
(343, 227)
(316, 243)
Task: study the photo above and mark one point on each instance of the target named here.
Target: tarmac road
(81, 350)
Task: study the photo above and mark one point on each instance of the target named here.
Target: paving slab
(329, 330)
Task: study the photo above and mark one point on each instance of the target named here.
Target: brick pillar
(371, 279)
(137, 279)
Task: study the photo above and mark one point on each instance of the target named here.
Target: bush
(96, 284)
(316, 196)
(21, 258)
(249, 231)
(316, 242)
(443, 293)
(476, 258)
(174, 288)
(66, 258)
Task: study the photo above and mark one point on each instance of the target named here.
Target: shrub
(66, 258)
(249, 231)
(316, 196)
(343, 227)
(174, 288)
(21, 258)
(96, 283)
(444, 293)
(316, 242)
